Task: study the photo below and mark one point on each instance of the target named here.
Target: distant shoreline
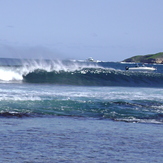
(149, 58)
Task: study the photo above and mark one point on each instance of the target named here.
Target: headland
(149, 58)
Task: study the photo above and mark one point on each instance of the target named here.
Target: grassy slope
(145, 58)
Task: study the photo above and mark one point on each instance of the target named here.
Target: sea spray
(17, 70)
(67, 72)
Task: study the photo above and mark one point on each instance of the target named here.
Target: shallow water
(68, 139)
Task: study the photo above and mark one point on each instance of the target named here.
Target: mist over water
(15, 69)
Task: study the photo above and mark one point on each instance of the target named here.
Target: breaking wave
(94, 77)
(77, 73)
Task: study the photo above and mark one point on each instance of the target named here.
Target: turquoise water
(62, 111)
(130, 104)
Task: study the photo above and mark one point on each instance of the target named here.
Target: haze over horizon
(77, 29)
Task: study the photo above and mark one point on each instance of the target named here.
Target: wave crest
(95, 77)
(16, 72)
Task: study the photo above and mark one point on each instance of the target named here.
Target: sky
(106, 30)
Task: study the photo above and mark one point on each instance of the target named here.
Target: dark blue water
(65, 139)
(71, 111)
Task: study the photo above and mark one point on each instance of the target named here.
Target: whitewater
(79, 111)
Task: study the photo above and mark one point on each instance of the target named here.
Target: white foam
(28, 66)
(8, 75)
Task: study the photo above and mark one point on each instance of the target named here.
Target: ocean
(78, 111)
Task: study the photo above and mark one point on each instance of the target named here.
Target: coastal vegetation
(149, 58)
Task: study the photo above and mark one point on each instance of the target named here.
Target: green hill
(150, 58)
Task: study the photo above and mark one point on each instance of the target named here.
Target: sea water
(66, 111)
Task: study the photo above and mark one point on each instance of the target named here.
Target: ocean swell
(95, 77)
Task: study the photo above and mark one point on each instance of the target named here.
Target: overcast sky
(108, 30)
